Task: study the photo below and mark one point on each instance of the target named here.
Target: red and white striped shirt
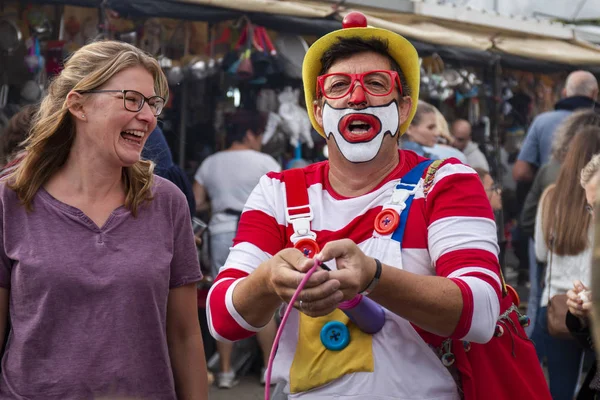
(451, 233)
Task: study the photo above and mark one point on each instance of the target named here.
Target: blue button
(335, 336)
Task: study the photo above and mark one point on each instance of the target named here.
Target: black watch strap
(371, 286)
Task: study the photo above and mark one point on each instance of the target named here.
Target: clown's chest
(389, 224)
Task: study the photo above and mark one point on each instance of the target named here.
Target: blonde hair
(590, 170)
(53, 131)
(565, 221)
(564, 133)
(442, 126)
(422, 108)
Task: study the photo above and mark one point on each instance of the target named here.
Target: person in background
(445, 135)
(97, 254)
(581, 91)
(445, 150)
(157, 150)
(579, 298)
(423, 131)
(563, 238)
(11, 152)
(461, 130)
(494, 194)
(546, 176)
(493, 191)
(227, 178)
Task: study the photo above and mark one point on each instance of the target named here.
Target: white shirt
(565, 269)
(229, 177)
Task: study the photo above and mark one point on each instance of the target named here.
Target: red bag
(505, 368)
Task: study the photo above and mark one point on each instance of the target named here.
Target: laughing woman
(97, 257)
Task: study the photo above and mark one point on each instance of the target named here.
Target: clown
(418, 237)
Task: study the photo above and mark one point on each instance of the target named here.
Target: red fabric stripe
(275, 237)
(428, 337)
(415, 236)
(272, 236)
(463, 196)
(222, 322)
(464, 323)
(231, 273)
(358, 230)
(455, 260)
(493, 283)
(295, 190)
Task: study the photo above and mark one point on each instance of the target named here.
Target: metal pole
(182, 123)
(183, 103)
(496, 70)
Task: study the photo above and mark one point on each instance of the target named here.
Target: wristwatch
(375, 279)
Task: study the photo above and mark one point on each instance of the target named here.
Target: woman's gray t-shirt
(88, 305)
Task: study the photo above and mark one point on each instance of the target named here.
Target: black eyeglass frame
(124, 92)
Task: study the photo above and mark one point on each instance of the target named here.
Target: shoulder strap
(409, 182)
(298, 211)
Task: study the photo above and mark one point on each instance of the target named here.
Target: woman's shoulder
(164, 188)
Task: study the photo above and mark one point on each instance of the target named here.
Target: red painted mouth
(357, 128)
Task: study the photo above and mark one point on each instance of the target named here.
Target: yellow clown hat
(355, 25)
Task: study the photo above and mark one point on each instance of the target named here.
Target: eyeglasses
(134, 101)
(376, 83)
(494, 189)
(589, 208)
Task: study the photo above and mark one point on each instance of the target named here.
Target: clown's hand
(355, 269)
(285, 271)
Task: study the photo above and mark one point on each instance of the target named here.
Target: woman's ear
(75, 105)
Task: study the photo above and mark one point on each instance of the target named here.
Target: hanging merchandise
(71, 29)
(237, 61)
(295, 122)
(266, 101)
(151, 38)
(436, 81)
(54, 57)
(10, 35)
(291, 50)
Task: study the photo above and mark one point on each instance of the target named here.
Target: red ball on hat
(354, 19)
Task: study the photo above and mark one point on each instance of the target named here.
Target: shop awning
(549, 50)
(304, 9)
(437, 32)
(470, 43)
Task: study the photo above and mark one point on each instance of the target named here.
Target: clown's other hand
(285, 271)
(355, 269)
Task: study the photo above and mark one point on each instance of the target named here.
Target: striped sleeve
(261, 234)
(463, 244)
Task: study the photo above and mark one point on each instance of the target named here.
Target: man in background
(581, 91)
(461, 130)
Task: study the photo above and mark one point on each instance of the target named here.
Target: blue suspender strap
(409, 182)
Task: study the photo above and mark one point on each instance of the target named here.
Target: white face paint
(359, 133)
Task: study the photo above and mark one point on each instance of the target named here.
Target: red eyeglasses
(376, 83)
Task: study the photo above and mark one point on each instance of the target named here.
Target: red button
(308, 247)
(387, 221)
(513, 293)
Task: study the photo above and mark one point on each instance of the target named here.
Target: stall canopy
(467, 43)
(514, 49)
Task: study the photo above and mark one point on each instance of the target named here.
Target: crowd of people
(99, 261)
